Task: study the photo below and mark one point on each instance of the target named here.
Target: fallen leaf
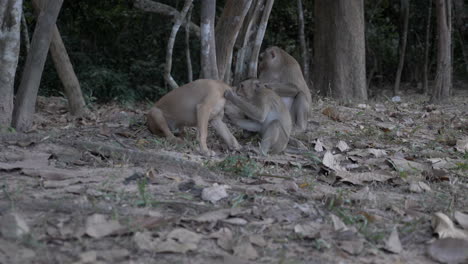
(224, 238)
(449, 250)
(235, 221)
(332, 162)
(319, 146)
(215, 193)
(338, 225)
(462, 145)
(378, 153)
(360, 178)
(445, 228)
(244, 249)
(401, 164)
(353, 247)
(461, 219)
(310, 230)
(393, 243)
(342, 146)
(98, 226)
(213, 216)
(257, 240)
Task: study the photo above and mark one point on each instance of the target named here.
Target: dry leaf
(462, 145)
(319, 146)
(213, 216)
(235, 221)
(353, 247)
(461, 219)
(338, 225)
(244, 249)
(224, 238)
(378, 153)
(393, 243)
(449, 250)
(342, 146)
(215, 193)
(257, 240)
(98, 226)
(360, 178)
(401, 164)
(310, 230)
(445, 228)
(332, 162)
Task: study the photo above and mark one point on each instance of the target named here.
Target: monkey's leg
(299, 111)
(270, 136)
(224, 132)
(203, 115)
(157, 122)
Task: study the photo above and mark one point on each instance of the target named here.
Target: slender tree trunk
(427, 47)
(443, 81)
(340, 68)
(404, 11)
(170, 44)
(461, 28)
(209, 65)
(259, 39)
(227, 30)
(25, 32)
(187, 45)
(246, 39)
(302, 41)
(10, 24)
(27, 93)
(64, 68)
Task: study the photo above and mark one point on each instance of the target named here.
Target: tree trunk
(259, 39)
(227, 30)
(209, 65)
(25, 32)
(64, 68)
(443, 81)
(170, 44)
(187, 46)
(10, 25)
(427, 47)
(302, 41)
(460, 16)
(339, 45)
(404, 14)
(27, 92)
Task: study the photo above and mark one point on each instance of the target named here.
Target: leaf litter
(362, 186)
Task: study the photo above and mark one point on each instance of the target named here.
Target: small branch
(187, 46)
(170, 44)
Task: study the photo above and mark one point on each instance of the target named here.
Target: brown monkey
(194, 104)
(266, 114)
(280, 71)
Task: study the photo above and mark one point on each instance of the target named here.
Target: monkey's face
(269, 59)
(247, 88)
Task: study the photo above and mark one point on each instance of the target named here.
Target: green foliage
(239, 165)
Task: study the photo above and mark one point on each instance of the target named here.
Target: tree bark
(64, 68)
(404, 14)
(227, 30)
(170, 44)
(162, 9)
(259, 39)
(339, 46)
(427, 47)
(10, 26)
(25, 32)
(461, 27)
(209, 65)
(443, 81)
(27, 91)
(302, 42)
(187, 46)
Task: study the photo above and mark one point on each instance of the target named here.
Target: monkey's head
(249, 88)
(270, 58)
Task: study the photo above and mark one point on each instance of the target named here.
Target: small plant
(144, 196)
(239, 165)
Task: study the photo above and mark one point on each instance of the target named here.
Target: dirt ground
(360, 186)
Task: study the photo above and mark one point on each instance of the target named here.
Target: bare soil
(102, 189)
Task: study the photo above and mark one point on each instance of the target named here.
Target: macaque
(194, 104)
(266, 114)
(280, 72)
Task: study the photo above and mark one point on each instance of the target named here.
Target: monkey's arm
(283, 89)
(247, 124)
(254, 112)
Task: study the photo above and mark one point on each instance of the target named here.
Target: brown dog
(194, 104)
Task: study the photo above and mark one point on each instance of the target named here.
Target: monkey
(194, 104)
(266, 114)
(280, 72)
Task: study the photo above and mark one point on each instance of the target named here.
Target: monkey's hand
(230, 95)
